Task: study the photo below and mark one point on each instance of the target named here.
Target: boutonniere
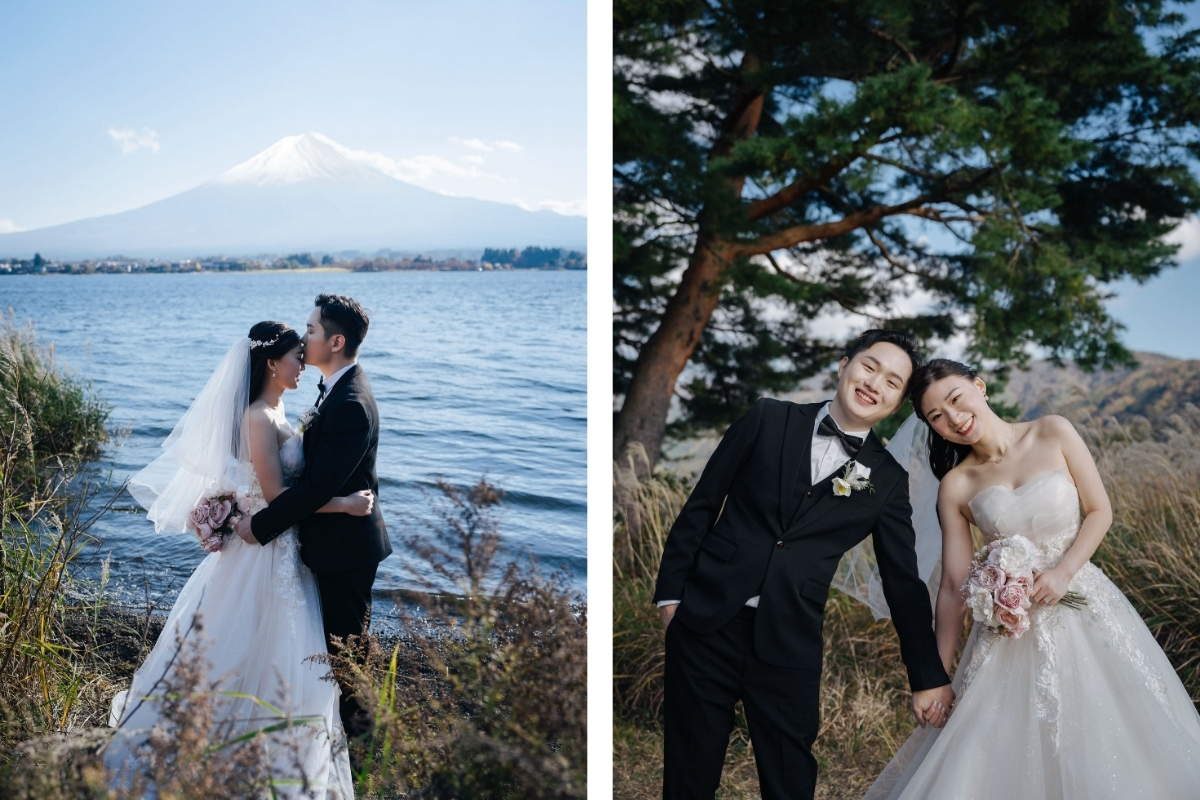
(305, 420)
(854, 477)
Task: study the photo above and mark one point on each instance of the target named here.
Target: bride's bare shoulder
(957, 486)
(1053, 427)
(259, 416)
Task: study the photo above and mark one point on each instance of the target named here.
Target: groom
(340, 444)
(746, 571)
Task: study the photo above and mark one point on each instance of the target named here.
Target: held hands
(668, 614)
(244, 531)
(1049, 586)
(932, 706)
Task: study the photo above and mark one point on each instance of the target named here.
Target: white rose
(841, 487)
(1014, 559)
(981, 604)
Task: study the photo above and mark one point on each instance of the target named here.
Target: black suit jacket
(781, 537)
(339, 459)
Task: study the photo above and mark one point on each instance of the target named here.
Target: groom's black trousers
(706, 674)
(345, 605)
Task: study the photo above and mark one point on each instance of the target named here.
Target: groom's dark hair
(900, 339)
(344, 315)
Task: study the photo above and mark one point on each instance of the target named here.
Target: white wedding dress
(1085, 705)
(260, 618)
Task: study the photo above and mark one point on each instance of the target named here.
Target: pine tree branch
(799, 234)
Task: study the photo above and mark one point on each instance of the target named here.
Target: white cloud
(472, 159)
(8, 226)
(131, 141)
(413, 169)
(488, 145)
(568, 208)
(1187, 236)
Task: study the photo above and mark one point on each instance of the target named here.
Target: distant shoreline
(310, 271)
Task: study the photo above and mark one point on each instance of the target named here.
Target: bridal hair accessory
(1000, 583)
(255, 343)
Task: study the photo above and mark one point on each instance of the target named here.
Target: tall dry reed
(50, 423)
(1152, 551)
(489, 699)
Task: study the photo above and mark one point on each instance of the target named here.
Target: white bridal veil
(208, 451)
(857, 574)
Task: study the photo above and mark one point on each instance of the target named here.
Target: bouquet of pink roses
(215, 515)
(1000, 583)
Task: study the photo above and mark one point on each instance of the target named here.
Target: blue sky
(109, 106)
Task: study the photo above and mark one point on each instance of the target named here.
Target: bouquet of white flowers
(1000, 583)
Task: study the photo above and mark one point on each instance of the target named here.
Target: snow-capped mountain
(296, 159)
(302, 193)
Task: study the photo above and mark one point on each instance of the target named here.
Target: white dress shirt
(332, 379)
(827, 454)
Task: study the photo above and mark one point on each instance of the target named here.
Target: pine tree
(974, 169)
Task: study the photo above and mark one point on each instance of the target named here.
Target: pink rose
(204, 530)
(1016, 621)
(1023, 580)
(212, 544)
(1012, 596)
(991, 577)
(199, 514)
(217, 513)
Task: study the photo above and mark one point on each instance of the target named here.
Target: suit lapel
(794, 460)
(340, 386)
(314, 432)
(824, 500)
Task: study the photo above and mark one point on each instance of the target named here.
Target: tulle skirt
(1085, 705)
(254, 612)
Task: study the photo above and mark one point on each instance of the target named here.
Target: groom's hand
(244, 531)
(932, 706)
(668, 613)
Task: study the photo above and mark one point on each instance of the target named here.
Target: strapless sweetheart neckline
(1017, 490)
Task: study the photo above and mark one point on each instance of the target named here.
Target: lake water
(475, 373)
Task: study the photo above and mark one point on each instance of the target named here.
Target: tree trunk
(643, 416)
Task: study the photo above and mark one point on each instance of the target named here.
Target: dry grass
(490, 701)
(1152, 553)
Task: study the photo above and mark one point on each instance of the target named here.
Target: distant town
(531, 258)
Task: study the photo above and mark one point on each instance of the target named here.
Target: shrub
(489, 699)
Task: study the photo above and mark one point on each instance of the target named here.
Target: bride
(1085, 703)
(255, 607)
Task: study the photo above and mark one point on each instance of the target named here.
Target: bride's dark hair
(268, 340)
(944, 455)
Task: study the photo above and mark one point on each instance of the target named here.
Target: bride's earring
(273, 375)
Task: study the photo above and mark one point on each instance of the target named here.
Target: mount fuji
(302, 193)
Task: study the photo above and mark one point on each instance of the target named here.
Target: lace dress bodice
(291, 458)
(1045, 511)
(285, 547)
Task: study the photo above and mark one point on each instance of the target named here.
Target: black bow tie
(829, 428)
(321, 389)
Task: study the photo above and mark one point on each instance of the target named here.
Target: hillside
(1158, 388)
(302, 193)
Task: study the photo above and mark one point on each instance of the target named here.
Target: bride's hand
(359, 504)
(1049, 586)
